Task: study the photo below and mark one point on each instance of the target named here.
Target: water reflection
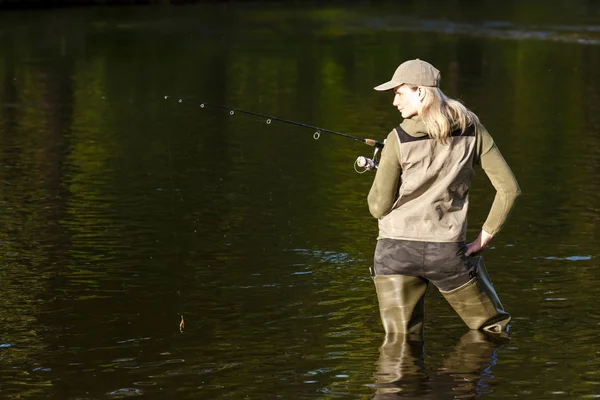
(402, 371)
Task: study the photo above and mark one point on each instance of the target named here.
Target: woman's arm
(507, 191)
(384, 190)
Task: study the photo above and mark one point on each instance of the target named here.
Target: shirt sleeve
(500, 175)
(384, 190)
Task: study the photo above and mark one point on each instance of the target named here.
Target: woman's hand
(479, 244)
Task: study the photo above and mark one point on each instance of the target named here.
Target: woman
(420, 197)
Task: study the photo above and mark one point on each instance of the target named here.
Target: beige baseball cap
(413, 72)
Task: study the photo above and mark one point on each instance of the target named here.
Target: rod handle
(374, 143)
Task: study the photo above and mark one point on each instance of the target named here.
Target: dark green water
(121, 211)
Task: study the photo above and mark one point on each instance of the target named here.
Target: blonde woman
(420, 195)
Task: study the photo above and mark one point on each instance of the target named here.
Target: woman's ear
(421, 93)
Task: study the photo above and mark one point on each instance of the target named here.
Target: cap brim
(387, 86)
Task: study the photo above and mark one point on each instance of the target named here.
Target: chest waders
(401, 302)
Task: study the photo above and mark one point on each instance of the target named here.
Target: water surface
(123, 212)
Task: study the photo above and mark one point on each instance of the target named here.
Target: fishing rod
(361, 162)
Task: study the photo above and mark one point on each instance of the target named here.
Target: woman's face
(407, 101)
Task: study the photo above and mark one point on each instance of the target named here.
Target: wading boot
(401, 303)
(477, 303)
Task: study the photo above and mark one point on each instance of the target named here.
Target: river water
(124, 214)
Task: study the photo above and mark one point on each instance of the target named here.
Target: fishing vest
(433, 196)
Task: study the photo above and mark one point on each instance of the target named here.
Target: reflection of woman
(401, 369)
(420, 196)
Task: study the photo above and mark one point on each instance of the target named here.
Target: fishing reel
(364, 164)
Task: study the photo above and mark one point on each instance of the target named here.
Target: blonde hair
(443, 115)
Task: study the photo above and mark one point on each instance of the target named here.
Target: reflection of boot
(400, 366)
(477, 302)
(469, 364)
(474, 352)
(401, 302)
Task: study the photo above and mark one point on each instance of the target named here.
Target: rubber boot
(477, 303)
(401, 303)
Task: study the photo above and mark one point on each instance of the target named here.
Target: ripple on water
(570, 258)
(125, 392)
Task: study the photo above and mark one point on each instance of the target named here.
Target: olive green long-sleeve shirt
(388, 179)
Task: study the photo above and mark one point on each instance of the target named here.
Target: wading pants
(403, 269)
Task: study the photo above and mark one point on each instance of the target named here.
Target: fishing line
(172, 184)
